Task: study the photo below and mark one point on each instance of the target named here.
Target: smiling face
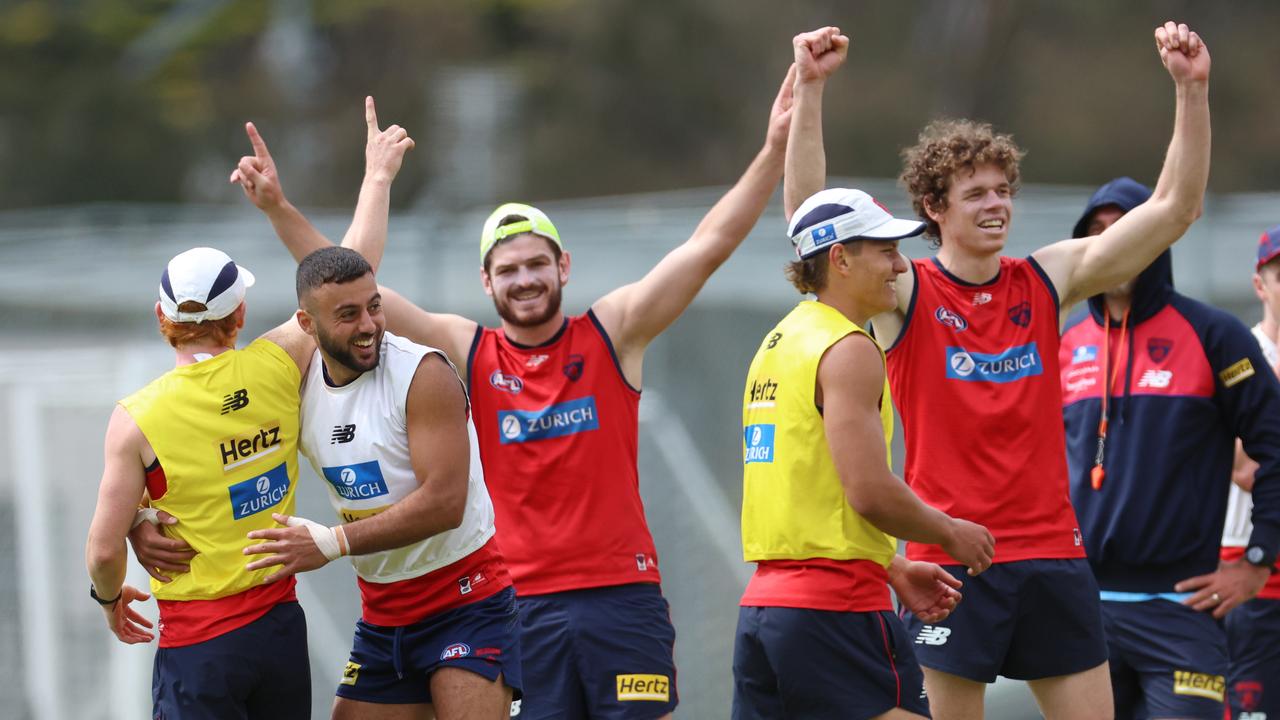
(861, 278)
(977, 212)
(524, 276)
(347, 322)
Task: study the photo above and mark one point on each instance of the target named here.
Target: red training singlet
(975, 379)
(558, 428)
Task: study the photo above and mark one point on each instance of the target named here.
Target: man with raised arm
(973, 363)
(214, 441)
(817, 637)
(556, 402)
(386, 423)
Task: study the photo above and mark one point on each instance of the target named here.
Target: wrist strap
(93, 593)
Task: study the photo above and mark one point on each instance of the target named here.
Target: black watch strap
(1258, 555)
(93, 593)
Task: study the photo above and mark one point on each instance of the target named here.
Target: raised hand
(819, 53)
(384, 150)
(780, 113)
(1183, 53)
(256, 174)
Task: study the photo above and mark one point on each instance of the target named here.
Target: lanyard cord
(1098, 474)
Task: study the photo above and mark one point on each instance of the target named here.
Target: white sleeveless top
(1236, 531)
(356, 439)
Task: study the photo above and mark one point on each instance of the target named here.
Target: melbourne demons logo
(950, 319)
(1158, 349)
(507, 383)
(1020, 314)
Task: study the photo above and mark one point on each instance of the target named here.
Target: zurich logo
(950, 319)
(1084, 353)
(263, 485)
(1010, 365)
(823, 234)
(962, 364)
(507, 383)
(348, 476)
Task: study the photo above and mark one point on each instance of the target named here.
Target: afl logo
(510, 427)
(507, 383)
(455, 651)
(962, 363)
(950, 319)
(348, 476)
(263, 485)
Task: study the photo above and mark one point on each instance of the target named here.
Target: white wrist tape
(330, 541)
(145, 514)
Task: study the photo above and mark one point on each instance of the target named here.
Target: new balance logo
(235, 401)
(1156, 379)
(343, 434)
(933, 635)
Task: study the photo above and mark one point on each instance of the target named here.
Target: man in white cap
(556, 401)
(972, 358)
(817, 636)
(213, 441)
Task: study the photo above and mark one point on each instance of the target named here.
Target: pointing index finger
(259, 146)
(371, 116)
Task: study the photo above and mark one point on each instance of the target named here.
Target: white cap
(206, 276)
(839, 215)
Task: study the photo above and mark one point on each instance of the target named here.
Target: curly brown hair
(944, 148)
(216, 332)
(808, 275)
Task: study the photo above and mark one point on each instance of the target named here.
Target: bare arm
(384, 155)
(451, 333)
(1082, 267)
(851, 385)
(818, 54)
(106, 556)
(635, 314)
(291, 338)
(440, 450)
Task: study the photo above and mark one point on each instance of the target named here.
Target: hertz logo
(1202, 685)
(350, 674)
(644, 687)
(247, 447)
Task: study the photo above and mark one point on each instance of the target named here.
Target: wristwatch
(93, 593)
(1258, 555)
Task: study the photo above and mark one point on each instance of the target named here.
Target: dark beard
(344, 356)
(508, 315)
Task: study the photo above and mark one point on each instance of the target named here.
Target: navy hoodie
(1187, 381)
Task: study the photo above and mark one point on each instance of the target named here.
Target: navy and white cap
(207, 276)
(839, 215)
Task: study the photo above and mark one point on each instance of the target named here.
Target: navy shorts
(1253, 677)
(821, 664)
(259, 671)
(393, 665)
(1025, 620)
(602, 653)
(1167, 660)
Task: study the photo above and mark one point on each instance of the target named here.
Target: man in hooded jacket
(1149, 461)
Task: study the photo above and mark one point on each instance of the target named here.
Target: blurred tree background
(144, 100)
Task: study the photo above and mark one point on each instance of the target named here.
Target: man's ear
(305, 322)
